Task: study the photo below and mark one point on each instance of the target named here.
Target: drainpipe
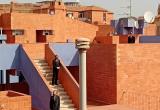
(82, 44)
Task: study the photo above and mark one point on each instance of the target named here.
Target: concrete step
(50, 82)
(39, 60)
(49, 74)
(72, 108)
(62, 93)
(48, 78)
(68, 101)
(44, 67)
(66, 105)
(65, 101)
(56, 86)
(64, 97)
(41, 64)
(46, 71)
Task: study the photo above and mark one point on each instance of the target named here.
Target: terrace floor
(109, 107)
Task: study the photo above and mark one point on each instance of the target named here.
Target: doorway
(40, 36)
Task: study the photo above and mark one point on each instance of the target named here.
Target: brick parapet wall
(14, 101)
(138, 75)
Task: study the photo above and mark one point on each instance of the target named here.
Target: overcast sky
(116, 6)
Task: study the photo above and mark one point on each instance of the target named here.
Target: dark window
(48, 32)
(131, 39)
(81, 15)
(59, 3)
(17, 32)
(69, 14)
(104, 16)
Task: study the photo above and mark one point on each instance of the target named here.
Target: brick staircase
(65, 101)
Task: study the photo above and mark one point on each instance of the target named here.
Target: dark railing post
(7, 78)
(1, 76)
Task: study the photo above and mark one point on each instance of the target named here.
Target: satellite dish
(149, 17)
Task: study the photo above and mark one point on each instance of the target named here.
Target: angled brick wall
(101, 73)
(36, 51)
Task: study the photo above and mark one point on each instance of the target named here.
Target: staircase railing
(39, 88)
(69, 83)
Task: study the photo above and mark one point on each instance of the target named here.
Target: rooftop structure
(89, 14)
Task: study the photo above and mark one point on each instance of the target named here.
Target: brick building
(117, 72)
(54, 23)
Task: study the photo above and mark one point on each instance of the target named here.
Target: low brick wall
(140, 101)
(10, 100)
(15, 87)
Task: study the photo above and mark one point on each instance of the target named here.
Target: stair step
(46, 71)
(48, 78)
(66, 105)
(65, 101)
(68, 101)
(50, 83)
(62, 97)
(39, 60)
(58, 88)
(62, 93)
(69, 108)
(49, 74)
(44, 67)
(42, 64)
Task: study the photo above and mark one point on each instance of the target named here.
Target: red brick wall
(18, 87)
(101, 73)
(138, 76)
(97, 16)
(6, 21)
(103, 40)
(104, 30)
(75, 72)
(123, 39)
(6, 25)
(14, 102)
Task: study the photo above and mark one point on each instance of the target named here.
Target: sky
(116, 6)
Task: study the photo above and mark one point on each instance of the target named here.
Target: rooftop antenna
(126, 14)
(130, 8)
(11, 6)
(149, 17)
